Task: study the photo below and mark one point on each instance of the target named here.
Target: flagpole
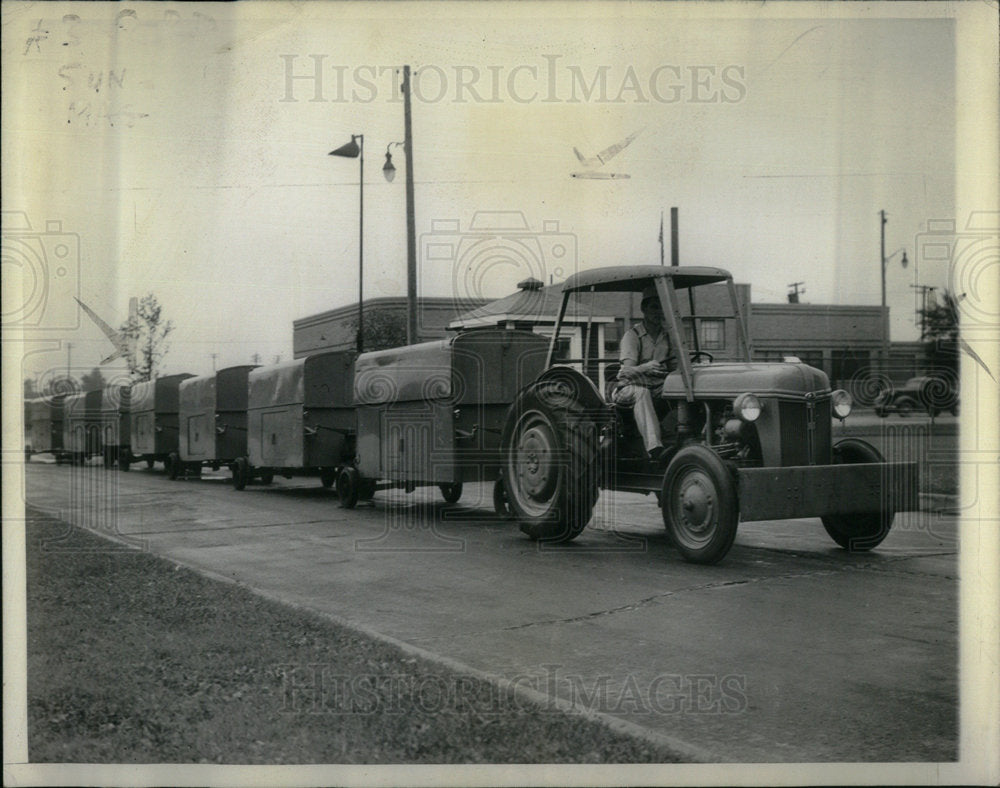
(661, 238)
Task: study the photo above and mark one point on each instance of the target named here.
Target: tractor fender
(569, 383)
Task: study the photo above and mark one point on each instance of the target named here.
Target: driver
(646, 357)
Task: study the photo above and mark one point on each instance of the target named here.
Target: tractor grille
(805, 432)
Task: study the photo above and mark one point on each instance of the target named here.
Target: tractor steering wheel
(699, 353)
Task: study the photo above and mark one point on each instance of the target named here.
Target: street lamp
(885, 312)
(389, 169)
(355, 149)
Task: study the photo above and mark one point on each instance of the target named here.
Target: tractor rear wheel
(700, 505)
(551, 466)
(858, 532)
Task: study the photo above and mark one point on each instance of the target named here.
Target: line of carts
(425, 415)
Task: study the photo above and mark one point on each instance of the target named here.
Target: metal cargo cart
(300, 419)
(153, 410)
(213, 421)
(432, 414)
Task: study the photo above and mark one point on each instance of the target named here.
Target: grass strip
(132, 659)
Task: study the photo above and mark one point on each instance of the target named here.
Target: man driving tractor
(646, 358)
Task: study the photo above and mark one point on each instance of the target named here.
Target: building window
(612, 339)
(713, 334)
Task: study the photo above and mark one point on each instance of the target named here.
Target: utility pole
(924, 290)
(411, 224)
(213, 361)
(793, 297)
(69, 356)
(885, 316)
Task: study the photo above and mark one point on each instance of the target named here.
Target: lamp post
(355, 149)
(885, 311)
(389, 171)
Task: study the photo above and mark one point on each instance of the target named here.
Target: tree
(146, 333)
(384, 329)
(939, 331)
(93, 380)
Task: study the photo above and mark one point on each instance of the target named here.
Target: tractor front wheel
(858, 532)
(700, 505)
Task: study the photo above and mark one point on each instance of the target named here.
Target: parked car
(929, 393)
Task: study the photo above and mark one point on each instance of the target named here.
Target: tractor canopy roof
(633, 278)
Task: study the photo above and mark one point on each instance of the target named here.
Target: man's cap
(649, 292)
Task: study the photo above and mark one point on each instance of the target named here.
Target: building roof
(634, 277)
(539, 304)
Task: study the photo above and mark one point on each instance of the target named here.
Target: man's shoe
(657, 453)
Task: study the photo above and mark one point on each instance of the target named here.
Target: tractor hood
(788, 380)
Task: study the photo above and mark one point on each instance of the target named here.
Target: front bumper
(817, 490)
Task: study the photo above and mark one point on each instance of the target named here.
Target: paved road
(790, 650)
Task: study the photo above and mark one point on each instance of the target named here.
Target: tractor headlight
(747, 407)
(842, 404)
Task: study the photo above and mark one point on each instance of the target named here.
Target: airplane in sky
(602, 158)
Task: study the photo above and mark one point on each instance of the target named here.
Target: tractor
(743, 439)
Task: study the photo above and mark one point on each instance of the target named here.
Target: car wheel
(451, 492)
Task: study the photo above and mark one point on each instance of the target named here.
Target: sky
(182, 150)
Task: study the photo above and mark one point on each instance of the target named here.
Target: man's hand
(636, 372)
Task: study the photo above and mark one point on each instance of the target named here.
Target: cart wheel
(366, 490)
(347, 487)
(150, 464)
(241, 469)
(451, 492)
(124, 461)
(500, 503)
(700, 506)
(193, 470)
(327, 477)
(174, 466)
(266, 476)
(858, 532)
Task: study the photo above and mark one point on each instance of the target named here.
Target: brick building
(843, 341)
